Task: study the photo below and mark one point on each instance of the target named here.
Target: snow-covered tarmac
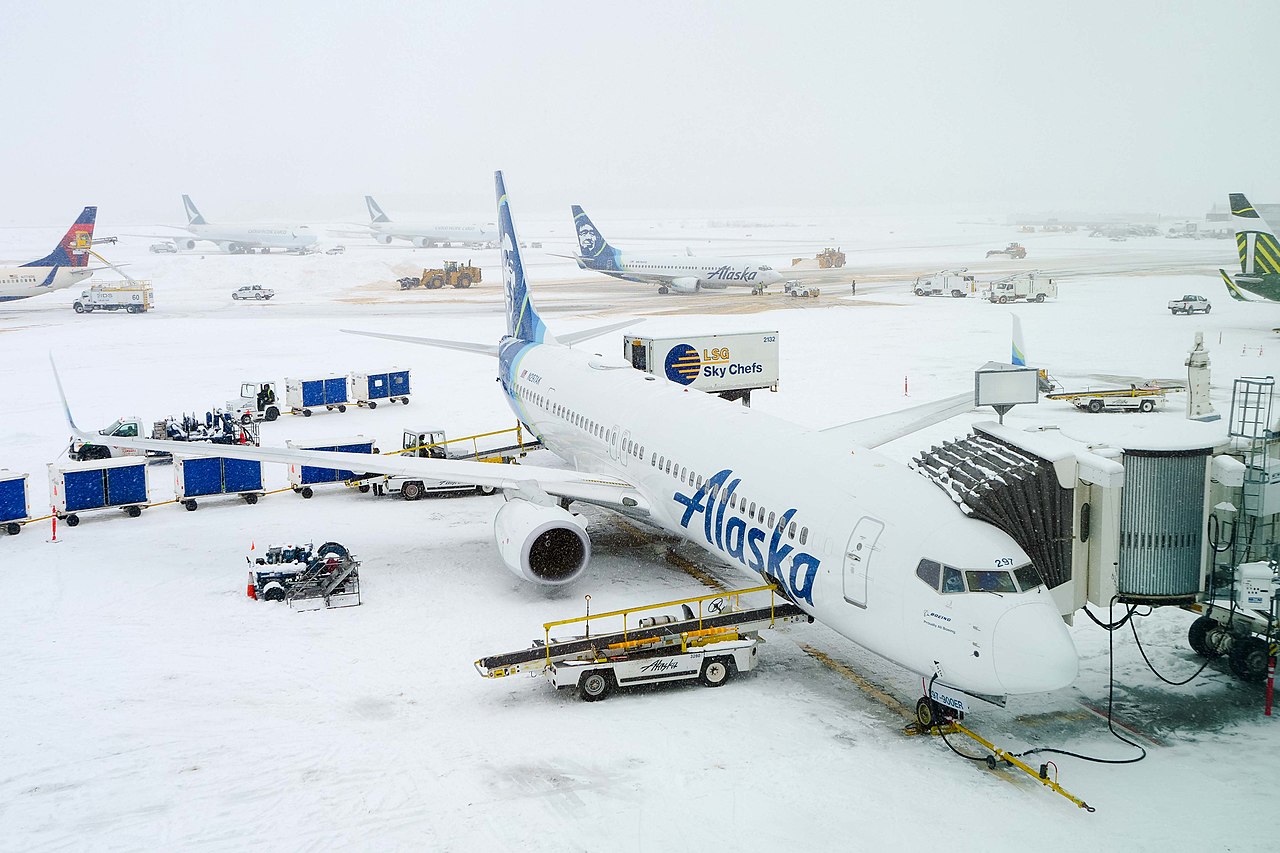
(149, 705)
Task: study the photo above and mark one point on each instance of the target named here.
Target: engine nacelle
(543, 544)
(186, 244)
(423, 242)
(384, 239)
(684, 285)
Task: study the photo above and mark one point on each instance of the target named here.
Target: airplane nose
(1033, 651)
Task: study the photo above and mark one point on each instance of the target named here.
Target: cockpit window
(990, 580)
(1028, 577)
(930, 572)
(952, 580)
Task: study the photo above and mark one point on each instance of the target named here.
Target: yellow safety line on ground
(693, 571)
(863, 684)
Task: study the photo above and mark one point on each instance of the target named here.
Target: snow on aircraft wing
(881, 429)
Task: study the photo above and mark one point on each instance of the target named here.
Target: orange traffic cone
(251, 591)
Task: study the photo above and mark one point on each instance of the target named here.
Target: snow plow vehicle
(1013, 250)
(830, 259)
(452, 274)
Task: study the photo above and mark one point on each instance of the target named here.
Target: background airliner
(67, 264)
(683, 275)
(863, 544)
(240, 237)
(1259, 252)
(385, 230)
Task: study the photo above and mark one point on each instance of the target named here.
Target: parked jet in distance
(860, 542)
(385, 230)
(1259, 255)
(683, 275)
(67, 264)
(239, 237)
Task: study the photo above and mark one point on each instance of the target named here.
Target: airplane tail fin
(375, 212)
(193, 213)
(1257, 245)
(596, 252)
(523, 322)
(73, 249)
(1019, 356)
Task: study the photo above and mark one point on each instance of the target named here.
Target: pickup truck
(253, 291)
(1189, 304)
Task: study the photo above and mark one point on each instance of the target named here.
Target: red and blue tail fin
(73, 248)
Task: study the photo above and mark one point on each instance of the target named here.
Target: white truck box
(714, 363)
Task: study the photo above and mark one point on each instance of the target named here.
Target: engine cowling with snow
(684, 285)
(423, 242)
(543, 544)
(185, 244)
(384, 239)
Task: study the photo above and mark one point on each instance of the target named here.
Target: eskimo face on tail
(588, 239)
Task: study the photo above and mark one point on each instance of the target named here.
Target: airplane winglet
(1232, 289)
(66, 407)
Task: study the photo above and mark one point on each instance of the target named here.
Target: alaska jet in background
(683, 275)
(67, 264)
(240, 237)
(861, 543)
(385, 230)
(1259, 255)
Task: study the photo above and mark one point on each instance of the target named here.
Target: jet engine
(685, 285)
(423, 242)
(385, 239)
(185, 244)
(543, 544)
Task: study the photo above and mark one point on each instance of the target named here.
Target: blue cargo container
(369, 389)
(13, 502)
(216, 475)
(399, 381)
(78, 486)
(305, 395)
(303, 477)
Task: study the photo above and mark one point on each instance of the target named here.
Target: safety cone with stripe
(251, 591)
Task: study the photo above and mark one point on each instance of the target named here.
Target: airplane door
(626, 441)
(615, 443)
(857, 559)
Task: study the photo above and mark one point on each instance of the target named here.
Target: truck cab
(1190, 303)
(258, 402)
(127, 427)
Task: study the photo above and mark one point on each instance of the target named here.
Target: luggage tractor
(258, 402)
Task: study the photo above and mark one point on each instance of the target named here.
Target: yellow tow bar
(999, 756)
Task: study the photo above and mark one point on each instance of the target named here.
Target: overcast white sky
(296, 110)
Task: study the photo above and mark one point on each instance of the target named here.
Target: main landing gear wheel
(1248, 659)
(716, 672)
(595, 685)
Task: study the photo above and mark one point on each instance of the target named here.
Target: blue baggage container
(127, 485)
(313, 392)
(311, 475)
(200, 476)
(335, 390)
(241, 475)
(13, 499)
(85, 489)
(379, 386)
(399, 381)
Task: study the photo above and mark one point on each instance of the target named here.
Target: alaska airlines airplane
(683, 275)
(1259, 255)
(384, 231)
(239, 238)
(863, 544)
(67, 264)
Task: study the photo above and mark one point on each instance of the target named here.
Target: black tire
(404, 400)
(412, 490)
(1039, 297)
(925, 715)
(271, 413)
(919, 291)
(1146, 405)
(337, 549)
(79, 308)
(1208, 308)
(435, 282)
(956, 294)
(306, 413)
(464, 280)
(190, 505)
(716, 672)
(1201, 637)
(274, 593)
(246, 418)
(486, 490)
(72, 520)
(664, 290)
(373, 404)
(1173, 311)
(133, 511)
(306, 492)
(250, 499)
(1248, 659)
(1003, 300)
(363, 487)
(132, 309)
(1095, 406)
(13, 528)
(595, 685)
(342, 408)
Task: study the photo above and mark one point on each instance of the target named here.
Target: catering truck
(731, 365)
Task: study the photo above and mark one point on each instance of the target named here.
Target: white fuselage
(250, 236)
(708, 273)
(25, 282)
(859, 524)
(424, 235)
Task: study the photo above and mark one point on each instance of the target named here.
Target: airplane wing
(881, 429)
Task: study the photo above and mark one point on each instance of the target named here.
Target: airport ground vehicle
(830, 258)
(335, 250)
(1032, 286)
(258, 402)
(253, 291)
(1013, 250)
(217, 430)
(945, 283)
(163, 249)
(452, 274)
(799, 288)
(495, 447)
(1190, 304)
(1135, 398)
(132, 296)
(731, 365)
(307, 578)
